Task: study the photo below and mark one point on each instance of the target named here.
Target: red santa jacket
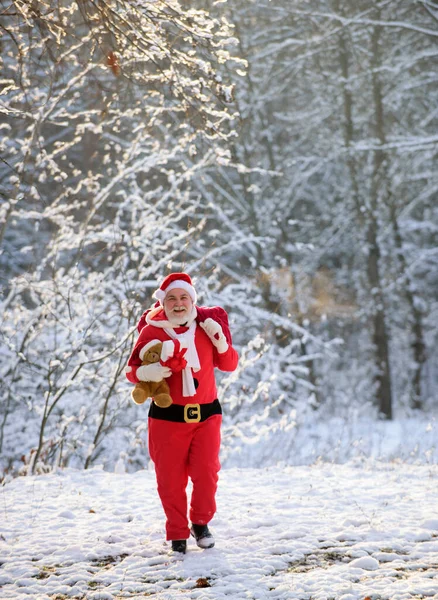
(209, 357)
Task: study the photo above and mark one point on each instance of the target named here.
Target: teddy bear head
(152, 354)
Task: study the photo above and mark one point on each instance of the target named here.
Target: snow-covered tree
(337, 130)
(109, 112)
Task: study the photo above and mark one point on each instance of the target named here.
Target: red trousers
(180, 451)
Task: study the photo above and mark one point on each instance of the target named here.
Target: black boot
(179, 546)
(202, 535)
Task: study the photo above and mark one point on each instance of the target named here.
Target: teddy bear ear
(147, 347)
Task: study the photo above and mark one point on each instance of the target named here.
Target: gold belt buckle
(192, 413)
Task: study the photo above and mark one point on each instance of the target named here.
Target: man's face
(178, 306)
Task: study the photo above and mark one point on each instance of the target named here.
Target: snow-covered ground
(342, 532)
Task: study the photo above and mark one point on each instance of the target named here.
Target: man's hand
(153, 372)
(216, 335)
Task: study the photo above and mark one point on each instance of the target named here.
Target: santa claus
(184, 439)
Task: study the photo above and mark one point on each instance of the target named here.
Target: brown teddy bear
(158, 391)
(169, 354)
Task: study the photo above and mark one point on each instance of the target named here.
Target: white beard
(176, 320)
(181, 319)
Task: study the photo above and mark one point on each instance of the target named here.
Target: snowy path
(299, 533)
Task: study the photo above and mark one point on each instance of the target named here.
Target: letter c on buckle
(192, 413)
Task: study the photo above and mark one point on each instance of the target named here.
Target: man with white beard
(184, 439)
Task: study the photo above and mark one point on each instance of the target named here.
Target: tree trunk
(369, 222)
(379, 193)
(378, 323)
(415, 322)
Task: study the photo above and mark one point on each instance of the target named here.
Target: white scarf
(187, 340)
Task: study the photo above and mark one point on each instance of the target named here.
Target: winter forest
(284, 154)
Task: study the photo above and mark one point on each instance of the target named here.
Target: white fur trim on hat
(168, 350)
(161, 294)
(147, 347)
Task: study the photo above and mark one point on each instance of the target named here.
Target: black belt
(189, 413)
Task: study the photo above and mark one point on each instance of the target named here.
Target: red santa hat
(173, 281)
